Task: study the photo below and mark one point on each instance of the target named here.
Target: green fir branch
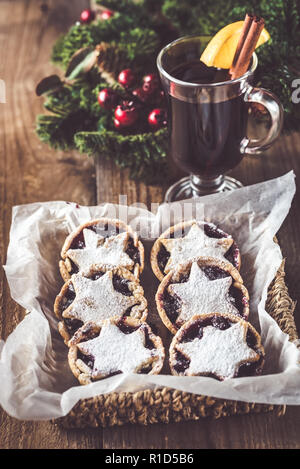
(143, 154)
(131, 38)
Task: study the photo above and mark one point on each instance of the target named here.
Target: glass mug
(208, 122)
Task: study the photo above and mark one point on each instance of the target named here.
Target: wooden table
(30, 171)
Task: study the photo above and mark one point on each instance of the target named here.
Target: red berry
(107, 98)
(141, 95)
(87, 16)
(126, 114)
(151, 83)
(126, 78)
(157, 119)
(106, 14)
(117, 124)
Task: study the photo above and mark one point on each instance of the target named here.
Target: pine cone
(111, 59)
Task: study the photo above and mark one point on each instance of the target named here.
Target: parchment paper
(36, 382)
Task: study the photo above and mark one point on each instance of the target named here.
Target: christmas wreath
(108, 103)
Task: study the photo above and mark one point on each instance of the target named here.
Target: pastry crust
(201, 321)
(182, 272)
(183, 228)
(138, 311)
(65, 265)
(83, 372)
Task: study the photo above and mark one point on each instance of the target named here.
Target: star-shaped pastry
(195, 244)
(97, 300)
(220, 352)
(199, 295)
(91, 239)
(99, 251)
(115, 351)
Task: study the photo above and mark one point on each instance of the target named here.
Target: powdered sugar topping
(220, 352)
(97, 300)
(99, 251)
(200, 295)
(195, 244)
(115, 351)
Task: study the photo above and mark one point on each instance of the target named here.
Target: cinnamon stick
(253, 26)
(246, 26)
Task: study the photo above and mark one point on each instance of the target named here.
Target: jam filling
(171, 304)
(87, 359)
(74, 268)
(148, 342)
(88, 333)
(195, 331)
(251, 368)
(231, 255)
(126, 328)
(238, 299)
(182, 362)
(72, 325)
(105, 230)
(78, 242)
(214, 232)
(162, 258)
(215, 273)
(121, 285)
(133, 252)
(69, 297)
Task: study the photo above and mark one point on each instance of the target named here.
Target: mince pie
(98, 243)
(201, 287)
(101, 295)
(123, 345)
(189, 241)
(217, 345)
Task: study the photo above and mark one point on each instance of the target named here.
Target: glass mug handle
(275, 109)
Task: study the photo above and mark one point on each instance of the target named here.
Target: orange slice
(220, 51)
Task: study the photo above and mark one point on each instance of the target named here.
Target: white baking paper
(36, 382)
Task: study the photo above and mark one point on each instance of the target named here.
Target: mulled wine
(208, 110)
(206, 133)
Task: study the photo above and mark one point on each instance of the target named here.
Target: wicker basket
(168, 405)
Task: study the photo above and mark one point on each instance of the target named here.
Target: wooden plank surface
(30, 171)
